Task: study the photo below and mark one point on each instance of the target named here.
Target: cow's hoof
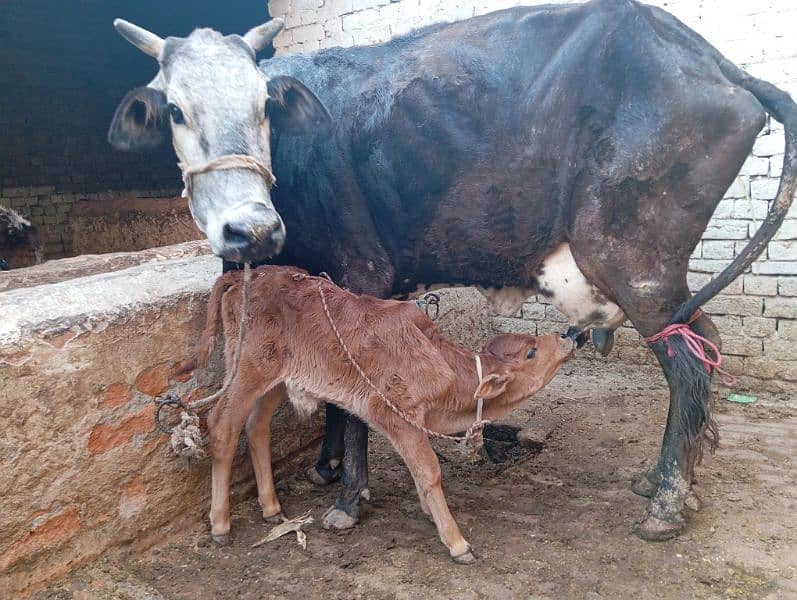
(325, 478)
(222, 539)
(693, 501)
(647, 483)
(654, 529)
(365, 494)
(336, 518)
(466, 558)
(274, 519)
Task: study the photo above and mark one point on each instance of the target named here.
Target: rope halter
(225, 163)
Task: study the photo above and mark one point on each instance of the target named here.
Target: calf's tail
(213, 320)
(781, 106)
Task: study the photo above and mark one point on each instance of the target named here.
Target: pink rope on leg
(696, 344)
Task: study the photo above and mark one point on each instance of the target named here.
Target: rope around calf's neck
(473, 433)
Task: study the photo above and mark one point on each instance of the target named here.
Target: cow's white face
(212, 98)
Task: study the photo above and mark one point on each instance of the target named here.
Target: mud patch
(552, 523)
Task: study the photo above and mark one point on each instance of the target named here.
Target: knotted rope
(225, 163)
(186, 437)
(473, 436)
(697, 345)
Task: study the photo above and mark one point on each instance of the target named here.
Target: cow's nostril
(235, 235)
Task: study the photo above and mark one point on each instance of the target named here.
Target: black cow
(576, 150)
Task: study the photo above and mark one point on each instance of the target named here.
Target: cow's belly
(564, 285)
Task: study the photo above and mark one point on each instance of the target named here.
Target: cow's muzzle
(255, 234)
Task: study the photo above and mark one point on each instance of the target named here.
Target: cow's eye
(175, 113)
(531, 353)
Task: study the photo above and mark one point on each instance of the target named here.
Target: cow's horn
(144, 40)
(261, 36)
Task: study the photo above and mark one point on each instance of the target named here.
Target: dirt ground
(549, 523)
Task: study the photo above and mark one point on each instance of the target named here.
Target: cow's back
(459, 150)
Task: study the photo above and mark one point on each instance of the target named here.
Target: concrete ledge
(82, 467)
(64, 269)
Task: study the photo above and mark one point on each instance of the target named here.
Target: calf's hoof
(465, 558)
(654, 529)
(275, 519)
(222, 539)
(322, 478)
(335, 518)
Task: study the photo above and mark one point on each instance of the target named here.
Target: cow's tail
(781, 106)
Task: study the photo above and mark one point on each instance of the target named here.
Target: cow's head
(210, 96)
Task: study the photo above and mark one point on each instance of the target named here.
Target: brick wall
(757, 314)
(82, 467)
(51, 209)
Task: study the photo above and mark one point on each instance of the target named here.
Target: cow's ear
(293, 109)
(491, 386)
(140, 120)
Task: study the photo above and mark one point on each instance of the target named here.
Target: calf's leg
(417, 453)
(225, 423)
(258, 432)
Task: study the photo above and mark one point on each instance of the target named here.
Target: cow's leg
(688, 421)
(258, 432)
(225, 423)
(697, 427)
(345, 513)
(636, 217)
(328, 466)
(418, 454)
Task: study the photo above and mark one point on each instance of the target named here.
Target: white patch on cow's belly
(567, 289)
(563, 284)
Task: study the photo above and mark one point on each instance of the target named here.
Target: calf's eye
(176, 113)
(531, 353)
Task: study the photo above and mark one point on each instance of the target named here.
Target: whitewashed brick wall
(757, 314)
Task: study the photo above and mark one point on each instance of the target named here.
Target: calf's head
(210, 96)
(524, 364)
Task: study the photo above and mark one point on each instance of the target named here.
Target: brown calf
(289, 344)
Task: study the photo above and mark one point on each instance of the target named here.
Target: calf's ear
(293, 109)
(491, 386)
(140, 120)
